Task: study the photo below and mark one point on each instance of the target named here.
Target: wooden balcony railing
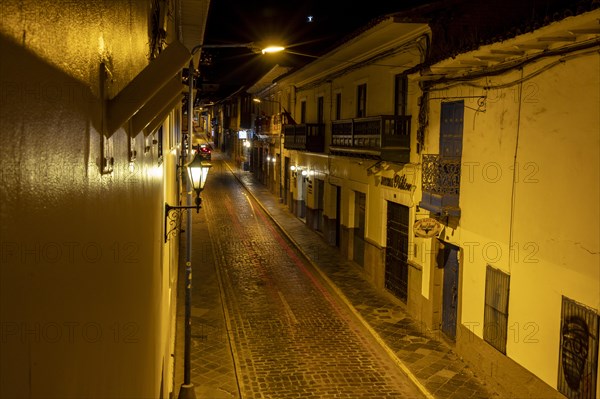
(304, 137)
(384, 136)
(268, 124)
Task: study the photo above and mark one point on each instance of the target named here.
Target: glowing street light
(272, 49)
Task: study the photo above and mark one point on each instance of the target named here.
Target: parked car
(204, 150)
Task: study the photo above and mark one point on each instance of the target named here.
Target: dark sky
(307, 27)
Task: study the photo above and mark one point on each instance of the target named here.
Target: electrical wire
(568, 52)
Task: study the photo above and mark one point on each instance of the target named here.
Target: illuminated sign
(427, 228)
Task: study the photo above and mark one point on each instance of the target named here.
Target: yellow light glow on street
(272, 49)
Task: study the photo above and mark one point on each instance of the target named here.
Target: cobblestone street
(290, 336)
(278, 313)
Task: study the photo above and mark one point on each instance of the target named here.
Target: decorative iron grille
(441, 175)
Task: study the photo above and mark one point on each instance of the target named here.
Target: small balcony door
(400, 94)
(361, 101)
(451, 129)
(360, 202)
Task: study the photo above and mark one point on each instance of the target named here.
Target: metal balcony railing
(441, 184)
(304, 137)
(384, 136)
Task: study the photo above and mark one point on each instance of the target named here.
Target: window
(495, 319)
(176, 128)
(338, 106)
(361, 101)
(159, 139)
(400, 94)
(320, 108)
(303, 111)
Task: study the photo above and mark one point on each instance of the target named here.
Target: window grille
(578, 357)
(495, 320)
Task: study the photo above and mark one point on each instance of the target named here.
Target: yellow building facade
(470, 227)
(88, 278)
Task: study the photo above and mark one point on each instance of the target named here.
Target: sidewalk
(429, 362)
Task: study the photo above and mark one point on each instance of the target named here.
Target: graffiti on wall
(578, 357)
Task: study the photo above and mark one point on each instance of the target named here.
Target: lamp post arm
(250, 46)
(173, 216)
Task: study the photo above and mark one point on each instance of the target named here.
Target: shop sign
(398, 181)
(427, 228)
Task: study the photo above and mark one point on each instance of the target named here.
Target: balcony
(304, 137)
(441, 185)
(385, 137)
(268, 124)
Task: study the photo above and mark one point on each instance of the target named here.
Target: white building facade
(522, 117)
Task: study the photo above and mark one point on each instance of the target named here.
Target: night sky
(308, 27)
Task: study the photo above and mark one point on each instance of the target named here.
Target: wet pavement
(278, 313)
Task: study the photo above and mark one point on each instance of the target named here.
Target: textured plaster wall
(556, 213)
(80, 275)
(543, 142)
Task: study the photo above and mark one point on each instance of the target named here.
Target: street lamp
(272, 49)
(198, 172)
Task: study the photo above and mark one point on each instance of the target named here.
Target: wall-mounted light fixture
(305, 173)
(198, 172)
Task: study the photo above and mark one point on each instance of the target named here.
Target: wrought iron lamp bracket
(173, 217)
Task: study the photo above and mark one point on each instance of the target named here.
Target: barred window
(495, 320)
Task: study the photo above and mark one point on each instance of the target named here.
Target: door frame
(451, 288)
